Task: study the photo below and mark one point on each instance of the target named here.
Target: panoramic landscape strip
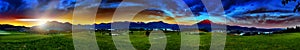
(149, 24)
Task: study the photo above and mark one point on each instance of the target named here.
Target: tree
(297, 7)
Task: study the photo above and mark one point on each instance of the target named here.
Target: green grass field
(24, 41)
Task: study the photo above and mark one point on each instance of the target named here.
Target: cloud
(274, 19)
(28, 4)
(116, 4)
(4, 6)
(66, 4)
(242, 12)
(262, 13)
(33, 8)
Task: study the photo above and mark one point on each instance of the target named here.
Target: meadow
(27, 41)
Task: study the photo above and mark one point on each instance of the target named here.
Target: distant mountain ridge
(203, 25)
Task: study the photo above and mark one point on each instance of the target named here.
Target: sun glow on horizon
(38, 21)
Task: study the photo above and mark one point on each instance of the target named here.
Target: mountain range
(206, 25)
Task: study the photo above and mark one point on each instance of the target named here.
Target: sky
(248, 13)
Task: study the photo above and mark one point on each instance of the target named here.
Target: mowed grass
(288, 41)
